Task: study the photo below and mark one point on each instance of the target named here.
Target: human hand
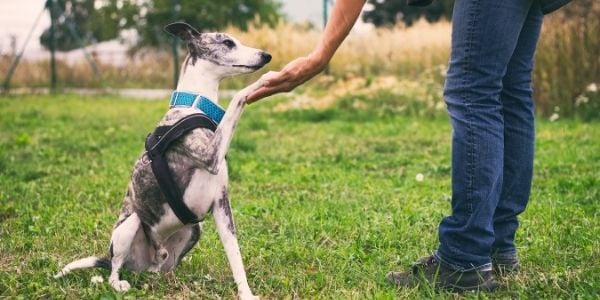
(292, 75)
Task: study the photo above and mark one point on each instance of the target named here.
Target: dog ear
(182, 30)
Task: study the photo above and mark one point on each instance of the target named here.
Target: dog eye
(229, 43)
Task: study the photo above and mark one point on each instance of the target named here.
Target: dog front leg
(226, 228)
(219, 144)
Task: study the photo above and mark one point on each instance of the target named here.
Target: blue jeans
(489, 98)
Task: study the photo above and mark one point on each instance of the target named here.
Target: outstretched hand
(292, 75)
(302, 69)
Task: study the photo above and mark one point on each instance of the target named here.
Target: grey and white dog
(148, 236)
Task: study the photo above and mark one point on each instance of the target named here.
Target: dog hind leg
(121, 240)
(226, 230)
(179, 244)
(161, 254)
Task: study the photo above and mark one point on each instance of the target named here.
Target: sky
(17, 19)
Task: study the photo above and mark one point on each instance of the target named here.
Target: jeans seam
(469, 74)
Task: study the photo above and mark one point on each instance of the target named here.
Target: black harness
(157, 144)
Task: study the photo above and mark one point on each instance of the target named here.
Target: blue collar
(211, 109)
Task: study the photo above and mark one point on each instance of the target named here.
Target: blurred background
(394, 52)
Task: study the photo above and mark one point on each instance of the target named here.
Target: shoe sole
(490, 285)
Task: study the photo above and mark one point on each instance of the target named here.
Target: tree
(76, 22)
(205, 15)
(96, 21)
(389, 12)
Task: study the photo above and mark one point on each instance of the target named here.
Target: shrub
(568, 61)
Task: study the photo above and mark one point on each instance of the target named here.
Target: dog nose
(266, 57)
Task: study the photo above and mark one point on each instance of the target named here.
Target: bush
(568, 61)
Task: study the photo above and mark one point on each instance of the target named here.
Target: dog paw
(120, 285)
(162, 255)
(248, 297)
(59, 274)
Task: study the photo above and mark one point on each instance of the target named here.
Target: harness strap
(157, 144)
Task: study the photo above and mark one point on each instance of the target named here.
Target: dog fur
(148, 236)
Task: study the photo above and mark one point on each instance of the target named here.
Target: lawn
(326, 202)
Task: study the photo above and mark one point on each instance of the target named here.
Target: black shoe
(418, 2)
(430, 269)
(504, 266)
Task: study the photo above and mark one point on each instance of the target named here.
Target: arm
(300, 70)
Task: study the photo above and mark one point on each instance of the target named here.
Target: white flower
(440, 105)
(419, 177)
(553, 117)
(556, 109)
(97, 279)
(592, 87)
(443, 70)
(581, 99)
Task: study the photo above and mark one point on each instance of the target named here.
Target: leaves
(82, 22)
(389, 12)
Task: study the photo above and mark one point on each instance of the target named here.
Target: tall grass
(567, 62)
(396, 50)
(567, 69)
(148, 69)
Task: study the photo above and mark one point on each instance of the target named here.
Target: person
(489, 100)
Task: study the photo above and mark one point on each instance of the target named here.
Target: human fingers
(266, 91)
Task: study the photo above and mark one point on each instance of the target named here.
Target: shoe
(504, 266)
(430, 269)
(418, 2)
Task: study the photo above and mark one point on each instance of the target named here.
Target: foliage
(205, 15)
(325, 203)
(98, 21)
(79, 23)
(390, 12)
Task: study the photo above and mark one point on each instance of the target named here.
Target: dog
(149, 235)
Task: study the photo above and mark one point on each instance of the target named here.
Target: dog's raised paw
(120, 285)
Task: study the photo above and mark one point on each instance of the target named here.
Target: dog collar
(186, 99)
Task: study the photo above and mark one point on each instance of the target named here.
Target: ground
(326, 202)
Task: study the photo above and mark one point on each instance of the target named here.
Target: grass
(325, 201)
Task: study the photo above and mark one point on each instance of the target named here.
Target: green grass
(326, 202)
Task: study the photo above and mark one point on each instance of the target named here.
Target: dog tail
(88, 262)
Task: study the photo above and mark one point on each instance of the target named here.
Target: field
(326, 201)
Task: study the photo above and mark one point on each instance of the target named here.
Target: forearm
(343, 17)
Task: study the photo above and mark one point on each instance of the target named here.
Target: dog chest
(203, 190)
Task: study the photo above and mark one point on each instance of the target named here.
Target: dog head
(226, 55)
